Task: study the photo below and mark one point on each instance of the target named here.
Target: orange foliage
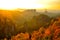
(47, 32)
(52, 29)
(56, 34)
(24, 36)
(35, 34)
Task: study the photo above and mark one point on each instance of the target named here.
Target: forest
(29, 25)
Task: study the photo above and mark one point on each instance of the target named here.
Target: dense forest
(29, 25)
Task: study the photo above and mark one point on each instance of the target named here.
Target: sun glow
(25, 4)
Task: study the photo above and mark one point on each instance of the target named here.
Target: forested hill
(14, 22)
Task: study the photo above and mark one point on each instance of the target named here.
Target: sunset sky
(30, 4)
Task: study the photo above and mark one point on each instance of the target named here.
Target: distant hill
(51, 13)
(21, 16)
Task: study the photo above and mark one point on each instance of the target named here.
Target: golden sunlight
(27, 4)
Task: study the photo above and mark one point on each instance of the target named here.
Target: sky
(30, 4)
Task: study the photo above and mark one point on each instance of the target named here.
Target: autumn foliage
(50, 33)
(40, 27)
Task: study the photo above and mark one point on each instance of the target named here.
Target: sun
(23, 4)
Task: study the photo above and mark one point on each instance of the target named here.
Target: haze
(30, 4)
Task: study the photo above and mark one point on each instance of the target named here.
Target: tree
(7, 27)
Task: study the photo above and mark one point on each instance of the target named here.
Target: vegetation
(7, 27)
(37, 27)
